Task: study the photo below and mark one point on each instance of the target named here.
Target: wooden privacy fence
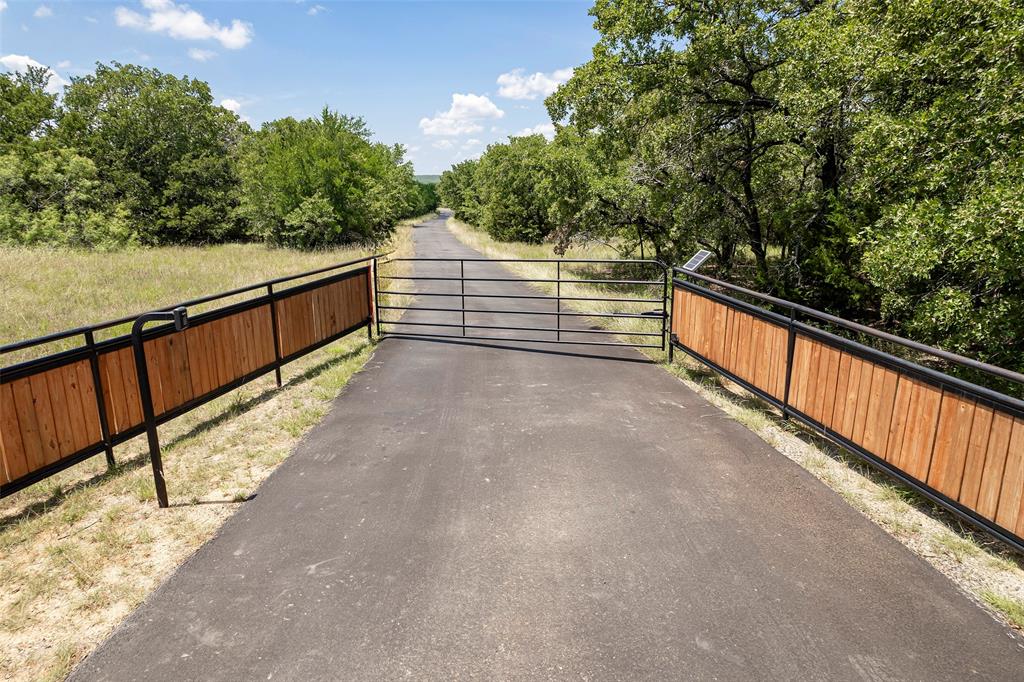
(960, 444)
(61, 409)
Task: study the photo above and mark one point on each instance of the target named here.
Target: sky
(442, 78)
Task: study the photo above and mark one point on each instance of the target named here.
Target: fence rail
(957, 443)
(63, 408)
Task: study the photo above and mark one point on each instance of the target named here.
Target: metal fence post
(369, 303)
(790, 346)
(101, 406)
(558, 301)
(273, 329)
(376, 296)
(669, 311)
(180, 317)
(462, 281)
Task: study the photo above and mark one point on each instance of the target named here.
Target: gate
(475, 298)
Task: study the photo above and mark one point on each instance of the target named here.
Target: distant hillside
(429, 179)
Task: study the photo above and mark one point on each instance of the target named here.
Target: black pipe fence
(63, 408)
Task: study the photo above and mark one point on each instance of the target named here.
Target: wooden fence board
(113, 391)
(25, 407)
(977, 450)
(995, 465)
(153, 361)
(801, 368)
(133, 403)
(44, 417)
(61, 411)
(14, 453)
(73, 398)
(971, 452)
(863, 401)
(54, 413)
(1011, 496)
(90, 408)
(165, 373)
(922, 420)
(880, 410)
(763, 351)
(949, 454)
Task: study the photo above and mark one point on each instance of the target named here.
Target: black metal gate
(465, 298)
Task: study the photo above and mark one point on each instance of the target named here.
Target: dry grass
(80, 550)
(986, 570)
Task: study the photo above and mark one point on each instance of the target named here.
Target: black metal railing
(559, 333)
(92, 349)
(790, 319)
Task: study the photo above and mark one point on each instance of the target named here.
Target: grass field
(80, 550)
(49, 290)
(991, 574)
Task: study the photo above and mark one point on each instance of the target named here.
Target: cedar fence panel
(56, 410)
(961, 445)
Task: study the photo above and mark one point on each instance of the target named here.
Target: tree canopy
(860, 156)
(130, 155)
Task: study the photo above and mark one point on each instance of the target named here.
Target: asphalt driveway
(506, 510)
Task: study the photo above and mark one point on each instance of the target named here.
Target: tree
(942, 184)
(457, 190)
(48, 194)
(508, 179)
(320, 181)
(718, 126)
(161, 147)
(27, 111)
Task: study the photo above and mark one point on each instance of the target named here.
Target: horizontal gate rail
(561, 334)
(518, 279)
(522, 312)
(537, 298)
(416, 335)
(528, 329)
(63, 408)
(956, 443)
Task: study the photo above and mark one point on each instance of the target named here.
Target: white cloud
(463, 116)
(63, 64)
(472, 142)
(443, 144)
(183, 23)
(315, 10)
(231, 104)
(545, 129)
(92, 20)
(42, 12)
(516, 85)
(20, 63)
(201, 55)
(3, 5)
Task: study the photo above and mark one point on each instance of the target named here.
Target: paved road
(493, 510)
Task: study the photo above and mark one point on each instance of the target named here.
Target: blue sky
(443, 78)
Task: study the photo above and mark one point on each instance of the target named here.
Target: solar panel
(697, 260)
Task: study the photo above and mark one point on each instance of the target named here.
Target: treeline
(133, 156)
(862, 156)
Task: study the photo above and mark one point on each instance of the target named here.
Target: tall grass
(50, 290)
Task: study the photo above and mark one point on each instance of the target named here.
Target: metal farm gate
(477, 298)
